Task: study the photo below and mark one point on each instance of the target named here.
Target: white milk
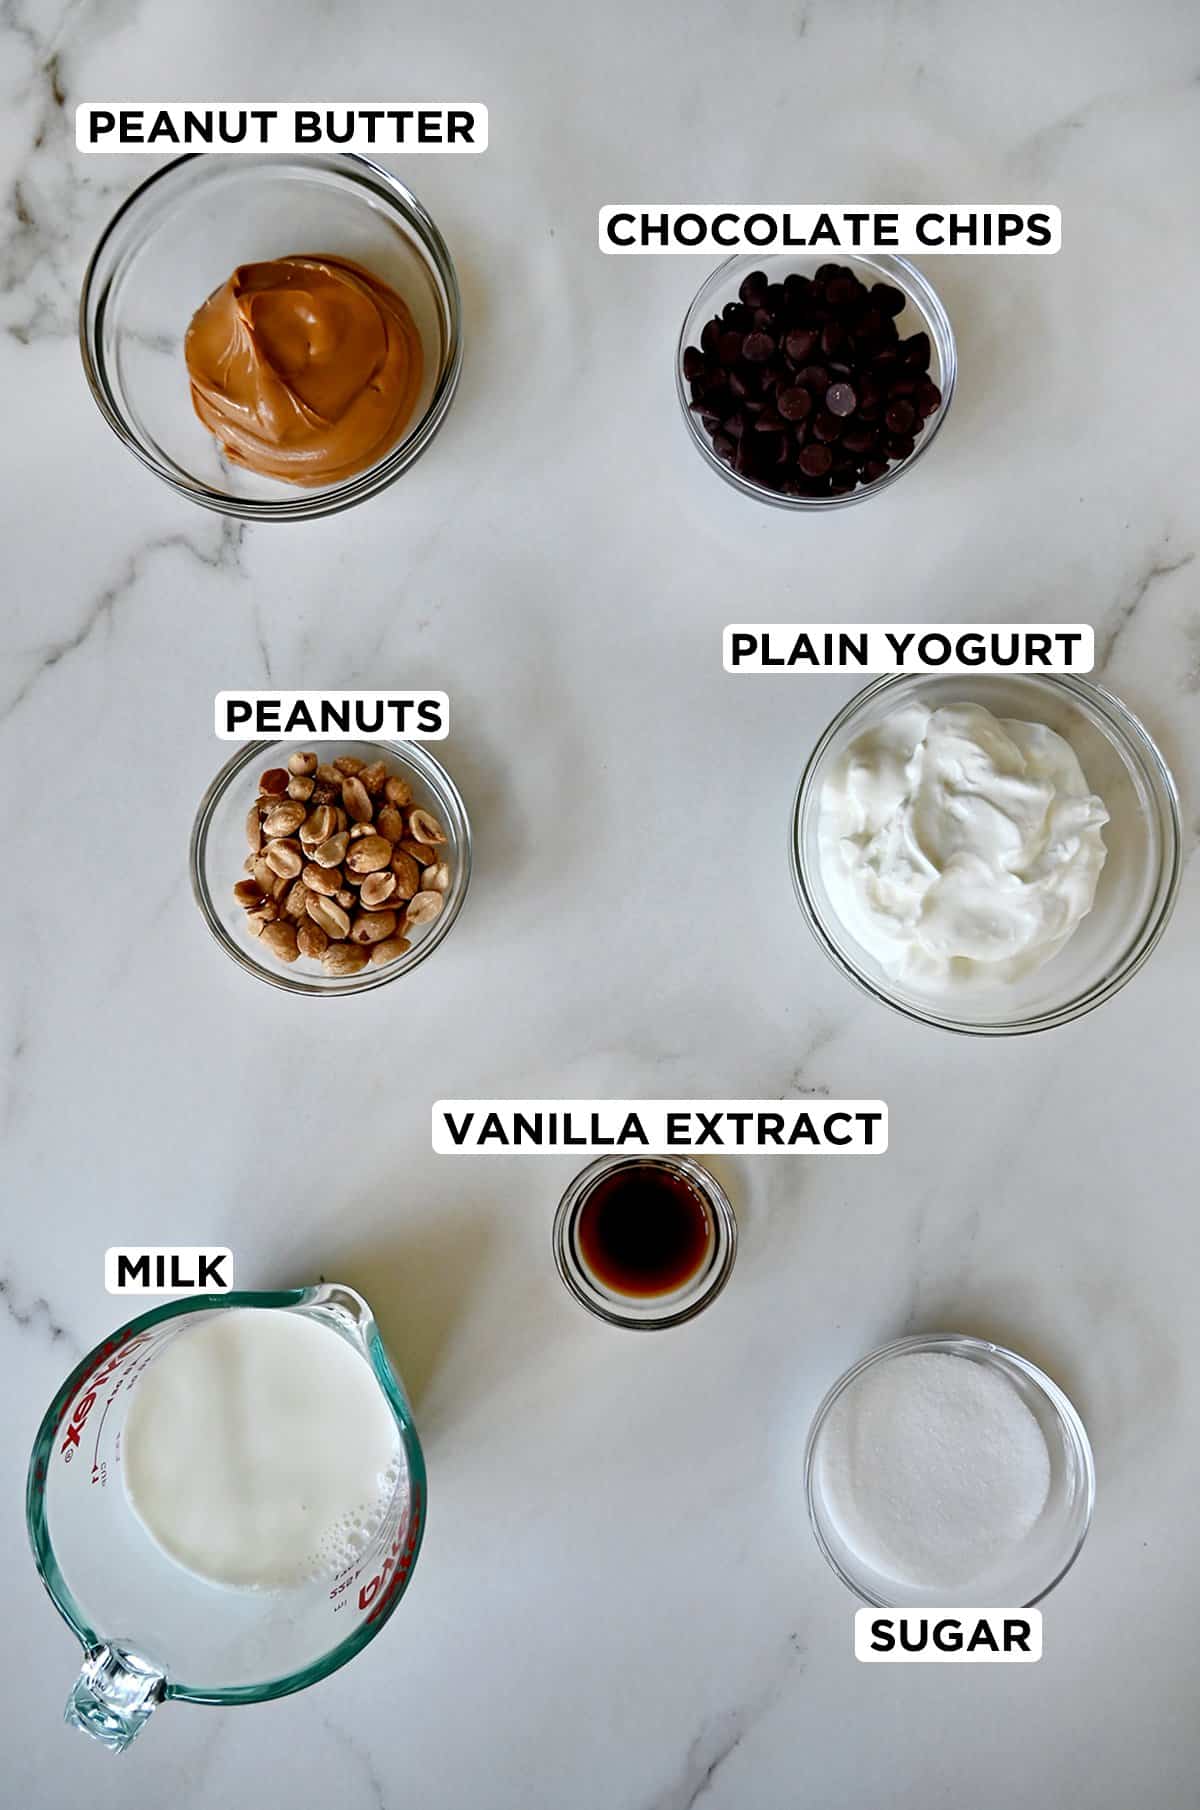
(259, 1450)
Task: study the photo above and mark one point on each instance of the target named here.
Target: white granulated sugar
(931, 1466)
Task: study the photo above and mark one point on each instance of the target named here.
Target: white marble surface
(618, 1603)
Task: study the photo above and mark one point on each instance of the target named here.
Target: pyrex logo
(396, 1566)
(107, 1364)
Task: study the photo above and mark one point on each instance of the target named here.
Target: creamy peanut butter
(305, 368)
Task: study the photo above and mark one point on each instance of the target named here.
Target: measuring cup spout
(114, 1696)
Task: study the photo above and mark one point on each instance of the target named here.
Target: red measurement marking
(393, 1575)
(109, 1358)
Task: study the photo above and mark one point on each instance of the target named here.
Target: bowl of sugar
(945, 1470)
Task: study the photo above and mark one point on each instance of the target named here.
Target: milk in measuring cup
(259, 1451)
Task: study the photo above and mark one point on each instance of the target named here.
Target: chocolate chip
(754, 289)
(693, 362)
(873, 470)
(901, 446)
(858, 440)
(738, 316)
(813, 377)
(833, 338)
(916, 350)
(723, 446)
(729, 348)
(794, 403)
(929, 397)
(840, 399)
(757, 347)
(815, 460)
(800, 343)
(769, 423)
(887, 299)
(826, 426)
(899, 416)
(710, 339)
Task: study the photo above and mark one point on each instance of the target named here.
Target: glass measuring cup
(152, 1630)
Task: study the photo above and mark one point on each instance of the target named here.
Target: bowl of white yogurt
(991, 854)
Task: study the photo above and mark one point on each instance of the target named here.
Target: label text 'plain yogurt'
(948, 1636)
(231, 126)
(594, 1127)
(908, 647)
(410, 716)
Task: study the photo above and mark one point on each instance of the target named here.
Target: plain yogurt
(958, 848)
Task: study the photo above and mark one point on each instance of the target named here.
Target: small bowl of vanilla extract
(645, 1241)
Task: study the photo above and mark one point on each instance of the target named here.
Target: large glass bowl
(923, 312)
(219, 850)
(1017, 1578)
(178, 237)
(1138, 882)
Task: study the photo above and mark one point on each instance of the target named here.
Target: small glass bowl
(646, 1313)
(924, 311)
(1138, 882)
(1043, 1559)
(218, 851)
(177, 238)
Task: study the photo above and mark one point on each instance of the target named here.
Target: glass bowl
(646, 1313)
(924, 311)
(178, 237)
(1138, 882)
(1018, 1579)
(218, 851)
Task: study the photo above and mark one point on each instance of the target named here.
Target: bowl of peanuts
(330, 868)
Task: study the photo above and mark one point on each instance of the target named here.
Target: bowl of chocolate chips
(812, 384)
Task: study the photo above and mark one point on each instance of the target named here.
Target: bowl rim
(1108, 706)
(606, 1306)
(368, 978)
(349, 166)
(956, 1344)
(921, 294)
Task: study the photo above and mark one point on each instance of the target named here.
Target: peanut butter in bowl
(305, 368)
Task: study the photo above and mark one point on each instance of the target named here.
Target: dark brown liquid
(644, 1231)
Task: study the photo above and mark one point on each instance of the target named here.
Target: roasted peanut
(397, 791)
(303, 765)
(284, 819)
(332, 852)
(424, 827)
(368, 854)
(274, 782)
(376, 889)
(248, 893)
(356, 799)
(296, 901)
(325, 880)
(423, 908)
(281, 941)
(254, 829)
(283, 859)
(318, 825)
(341, 959)
(372, 926)
(300, 787)
(408, 874)
(389, 951)
(311, 939)
(349, 765)
(390, 823)
(373, 777)
(437, 878)
(329, 915)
